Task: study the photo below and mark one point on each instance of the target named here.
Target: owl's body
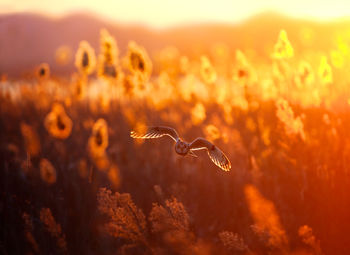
(183, 148)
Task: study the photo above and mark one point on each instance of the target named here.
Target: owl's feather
(156, 132)
(215, 154)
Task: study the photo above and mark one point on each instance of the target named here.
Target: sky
(165, 13)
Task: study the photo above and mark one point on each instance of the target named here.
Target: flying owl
(183, 148)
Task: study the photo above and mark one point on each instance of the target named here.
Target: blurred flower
(63, 55)
(207, 71)
(85, 59)
(31, 139)
(57, 122)
(243, 71)
(283, 48)
(138, 61)
(108, 58)
(211, 132)
(47, 171)
(198, 114)
(98, 141)
(325, 71)
(305, 74)
(109, 48)
(43, 72)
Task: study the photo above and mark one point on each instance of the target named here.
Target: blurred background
(165, 14)
(35, 30)
(266, 81)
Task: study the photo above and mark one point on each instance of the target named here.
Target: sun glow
(169, 13)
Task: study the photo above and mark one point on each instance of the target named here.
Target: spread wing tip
(133, 134)
(226, 167)
(155, 132)
(220, 159)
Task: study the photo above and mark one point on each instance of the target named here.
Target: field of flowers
(73, 181)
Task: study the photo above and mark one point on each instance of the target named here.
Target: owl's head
(182, 148)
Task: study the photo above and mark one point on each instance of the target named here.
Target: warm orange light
(170, 13)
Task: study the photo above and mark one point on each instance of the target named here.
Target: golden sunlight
(169, 13)
(224, 132)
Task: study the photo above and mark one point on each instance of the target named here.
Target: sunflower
(138, 62)
(85, 59)
(98, 141)
(325, 71)
(43, 72)
(57, 122)
(207, 71)
(108, 58)
(47, 171)
(283, 48)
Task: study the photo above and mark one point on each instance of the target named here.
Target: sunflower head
(57, 122)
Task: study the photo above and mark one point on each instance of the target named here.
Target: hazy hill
(29, 39)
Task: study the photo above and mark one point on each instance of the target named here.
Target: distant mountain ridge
(27, 40)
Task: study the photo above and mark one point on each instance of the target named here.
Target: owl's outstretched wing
(156, 132)
(215, 154)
